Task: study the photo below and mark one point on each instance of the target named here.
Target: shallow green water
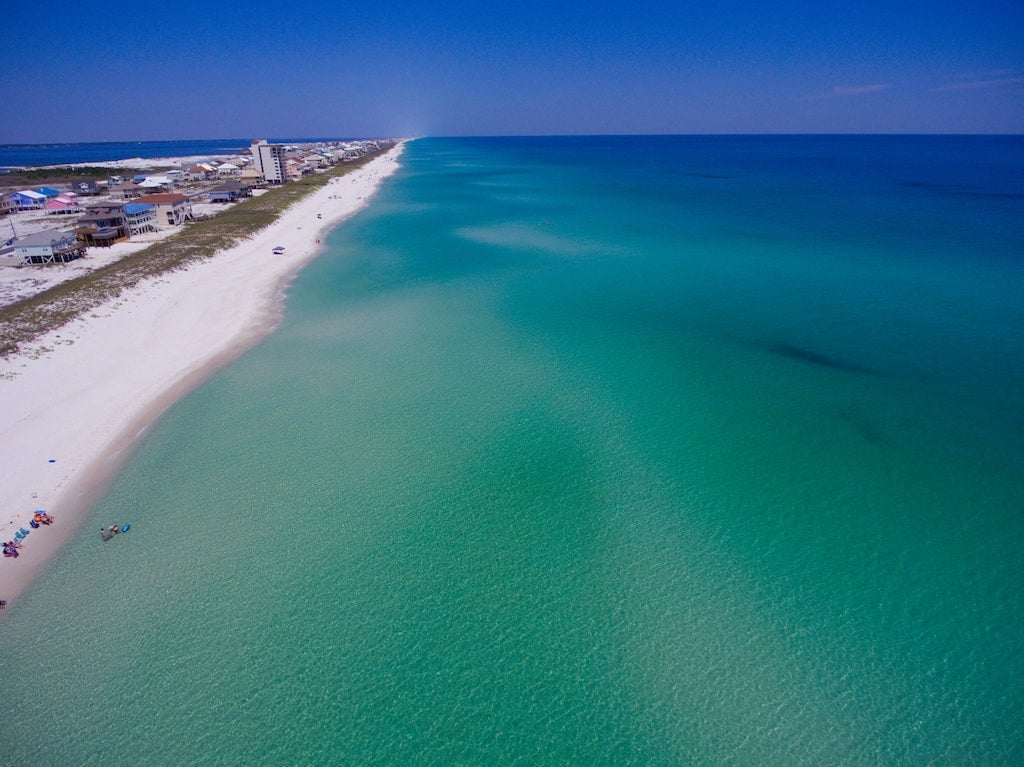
(582, 452)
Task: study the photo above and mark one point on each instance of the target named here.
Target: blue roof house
(141, 217)
(48, 191)
(26, 199)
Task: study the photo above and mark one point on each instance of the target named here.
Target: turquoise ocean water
(661, 451)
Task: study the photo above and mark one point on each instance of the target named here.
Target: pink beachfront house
(63, 204)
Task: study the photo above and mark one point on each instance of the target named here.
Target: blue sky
(141, 71)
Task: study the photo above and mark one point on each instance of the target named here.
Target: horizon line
(312, 139)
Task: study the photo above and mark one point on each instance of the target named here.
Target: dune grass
(28, 319)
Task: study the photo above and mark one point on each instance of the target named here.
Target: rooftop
(162, 199)
(47, 237)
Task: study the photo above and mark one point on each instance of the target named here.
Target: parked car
(279, 250)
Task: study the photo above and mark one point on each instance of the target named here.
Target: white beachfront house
(157, 182)
(48, 247)
(141, 217)
(200, 172)
(171, 209)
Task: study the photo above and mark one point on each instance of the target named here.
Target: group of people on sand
(11, 548)
(39, 518)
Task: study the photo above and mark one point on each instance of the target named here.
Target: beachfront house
(48, 192)
(86, 187)
(200, 172)
(171, 209)
(63, 205)
(126, 190)
(26, 199)
(103, 225)
(228, 170)
(48, 247)
(294, 170)
(252, 178)
(161, 182)
(140, 217)
(229, 191)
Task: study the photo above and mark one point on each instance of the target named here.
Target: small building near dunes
(49, 247)
(63, 205)
(126, 190)
(252, 178)
(103, 225)
(86, 187)
(26, 199)
(200, 172)
(161, 182)
(140, 216)
(229, 191)
(171, 209)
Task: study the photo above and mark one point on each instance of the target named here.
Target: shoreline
(84, 394)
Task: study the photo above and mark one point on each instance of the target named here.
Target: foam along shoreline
(76, 401)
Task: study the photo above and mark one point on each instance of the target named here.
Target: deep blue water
(583, 451)
(16, 155)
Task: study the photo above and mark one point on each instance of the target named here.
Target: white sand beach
(73, 404)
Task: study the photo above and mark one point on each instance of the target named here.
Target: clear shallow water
(583, 451)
